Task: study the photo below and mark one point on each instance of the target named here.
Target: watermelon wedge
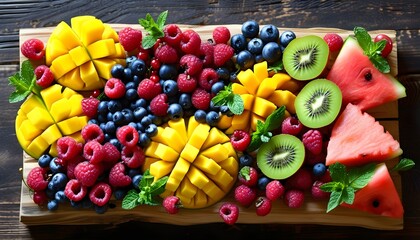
(379, 196)
(360, 82)
(357, 138)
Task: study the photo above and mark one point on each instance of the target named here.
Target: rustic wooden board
(312, 212)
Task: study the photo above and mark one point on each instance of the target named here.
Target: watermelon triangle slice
(360, 82)
(379, 196)
(357, 138)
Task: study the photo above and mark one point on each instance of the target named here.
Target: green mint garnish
(276, 66)
(403, 165)
(372, 49)
(24, 82)
(263, 132)
(226, 97)
(154, 29)
(148, 190)
(345, 183)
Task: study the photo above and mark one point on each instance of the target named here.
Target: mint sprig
(404, 164)
(153, 28)
(372, 49)
(226, 97)
(263, 131)
(148, 190)
(24, 82)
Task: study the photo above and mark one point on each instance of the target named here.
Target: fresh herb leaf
(154, 29)
(404, 164)
(380, 63)
(335, 200)
(131, 200)
(24, 83)
(276, 66)
(363, 38)
(338, 173)
(360, 177)
(158, 187)
(226, 97)
(273, 120)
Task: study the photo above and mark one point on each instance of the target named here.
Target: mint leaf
(131, 200)
(276, 66)
(236, 104)
(332, 187)
(158, 187)
(338, 173)
(273, 120)
(404, 164)
(24, 82)
(335, 200)
(154, 29)
(348, 195)
(162, 19)
(363, 38)
(360, 177)
(380, 63)
(226, 97)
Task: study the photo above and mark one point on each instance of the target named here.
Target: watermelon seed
(375, 203)
(368, 76)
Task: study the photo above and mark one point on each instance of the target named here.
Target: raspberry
(221, 34)
(172, 35)
(33, 49)
(114, 88)
(68, 148)
(222, 54)
(133, 157)
(44, 76)
(229, 212)
(240, 140)
(40, 197)
(263, 206)
(112, 155)
(191, 63)
(148, 89)
(312, 140)
(200, 99)
(100, 194)
(207, 54)
(75, 190)
(87, 173)
(159, 105)
(130, 38)
(128, 136)
(90, 106)
(294, 198)
(71, 165)
(245, 195)
(326, 177)
(291, 125)
(186, 83)
(207, 78)
(301, 180)
(312, 159)
(166, 54)
(190, 42)
(92, 132)
(37, 179)
(93, 152)
(317, 193)
(171, 204)
(248, 176)
(274, 190)
(334, 41)
(117, 176)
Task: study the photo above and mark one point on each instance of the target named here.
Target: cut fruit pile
(159, 116)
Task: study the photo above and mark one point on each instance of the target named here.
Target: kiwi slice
(281, 156)
(306, 57)
(318, 103)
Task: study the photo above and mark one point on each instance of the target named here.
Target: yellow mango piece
(284, 98)
(51, 94)
(30, 103)
(239, 122)
(187, 189)
(280, 79)
(222, 178)
(197, 177)
(160, 169)
(192, 124)
(200, 198)
(199, 135)
(104, 66)
(215, 136)
(109, 32)
(62, 65)
(180, 169)
(166, 153)
(263, 107)
(54, 49)
(261, 70)
(38, 146)
(72, 79)
(51, 134)
(225, 122)
(266, 88)
(79, 55)
(172, 184)
(40, 118)
(189, 152)
(231, 152)
(179, 126)
(166, 193)
(60, 109)
(230, 165)
(71, 125)
(119, 53)
(78, 22)
(248, 79)
(90, 77)
(293, 85)
(217, 152)
(239, 89)
(213, 191)
(75, 102)
(151, 149)
(66, 35)
(206, 164)
(248, 100)
(53, 149)
(102, 48)
(186, 201)
(254, 121)
(28, 130)
(147, 162)
(169, 137)
(91, 31)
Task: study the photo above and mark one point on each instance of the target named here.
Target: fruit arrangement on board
(159, 116)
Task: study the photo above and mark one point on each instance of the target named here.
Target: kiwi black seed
(281, 156)
(318, 103)
(306, 57)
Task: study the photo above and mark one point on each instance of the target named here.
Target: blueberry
(262, 182)
(151, 130)
(269, 33)
(93, 121)
(217, 86)
(103, 107)
(168, 71)
(259, 58)
(238, 42)
(131, 94)
(118, 118)
(57, 182)
(319, 169)
(141, 102)
(116, 143)
(271, 52)
(128, 115)
(200, 116)
(44, 160)
(213, 107)
(223, 73)
(138, 67)
(101, 209)
(120, 193)
(286, 37)
(130, 60)
(61, 197)
(250, 29)
(185, 101)
(255, 46)
(224, 109)
(139, 113)
(131, 85)
(170, 87)
(52, 205)
(114, 105)
(128, 75)
(110, 127)
(245, 160)
(77, 204)
(146, 120)
(144, 140)
(135, 180)
(245, 59)
(156, 120)
(117, 71)
(175, 111)
(212, 118)
(55, 167)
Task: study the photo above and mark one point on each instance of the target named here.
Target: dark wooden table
(402, 16)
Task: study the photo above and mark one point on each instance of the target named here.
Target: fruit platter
(184, 124)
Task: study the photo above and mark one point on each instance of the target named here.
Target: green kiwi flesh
(281, 156)
(318, 103)
(306, 57)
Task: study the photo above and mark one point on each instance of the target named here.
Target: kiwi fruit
(281, 156)
(306, 57)
(318, 103)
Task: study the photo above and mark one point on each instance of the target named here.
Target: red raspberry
(68, 148)
(245, 195)
(130, 38)
(312, 159)
(117, 176)
(221, 34)
(274, 190)
(291, 125)
(75, 190)
(40, 198)
(100, 194)
(166, 54)
(222, 54)
(326, 177)
(207, 54)
(112, 154)
(171, 204)
(229, 212)
(334, 41)
(207, 78)
(33, 49)
(44, 76)
(133, 157)
(248, 176)
(191, 63)
(159, 105)
(263, 206)
(200, 99)
(93, 151)
(148, 89)
(128, 136)
(294, 198)
(114, 88)
(92, 132)
(87, 173)
(37, 179)
(312, 140)
(190, 42)
(240, 140)
(90, 106)
(71, 165)
(173, 35)
(317, 193)
(186, 83)
(302, 180)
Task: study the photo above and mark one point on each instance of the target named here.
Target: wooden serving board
(312, 212)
